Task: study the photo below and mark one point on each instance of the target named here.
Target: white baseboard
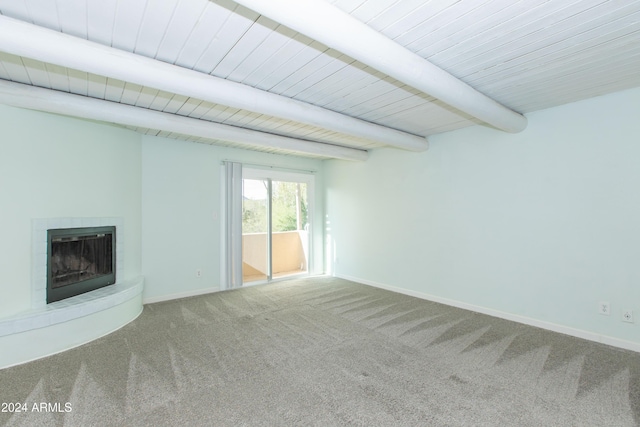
(579, 333)
(179, 295)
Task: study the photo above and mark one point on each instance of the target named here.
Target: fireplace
(79, 260)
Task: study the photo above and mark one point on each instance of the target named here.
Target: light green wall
(53, 166)
(541, 224)
(181, 212)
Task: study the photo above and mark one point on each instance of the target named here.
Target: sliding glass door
(289, 228)
(275, 224)
(255, 230)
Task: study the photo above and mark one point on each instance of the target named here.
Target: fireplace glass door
(79, 260)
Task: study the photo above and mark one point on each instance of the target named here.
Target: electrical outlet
(604, 308)
(198, 273)
(627, 315)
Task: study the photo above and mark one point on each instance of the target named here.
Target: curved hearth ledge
(69, 323)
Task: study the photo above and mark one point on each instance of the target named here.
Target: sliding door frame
(270, 175)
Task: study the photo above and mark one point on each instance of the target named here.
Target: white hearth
(47, 329)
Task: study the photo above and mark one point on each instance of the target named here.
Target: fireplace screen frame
(80, 287)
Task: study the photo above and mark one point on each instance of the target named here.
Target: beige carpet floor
(326, 352)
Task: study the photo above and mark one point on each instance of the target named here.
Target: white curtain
(231, 262)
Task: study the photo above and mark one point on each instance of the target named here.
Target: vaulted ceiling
(264, 76)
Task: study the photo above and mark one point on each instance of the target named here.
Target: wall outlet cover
(604, 308)
(627, 315)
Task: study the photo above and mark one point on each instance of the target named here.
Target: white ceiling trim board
(337, 29)
(31, 41)
(35, 98)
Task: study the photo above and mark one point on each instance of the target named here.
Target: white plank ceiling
(527, 55)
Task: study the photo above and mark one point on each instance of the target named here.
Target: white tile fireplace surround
(50, 328)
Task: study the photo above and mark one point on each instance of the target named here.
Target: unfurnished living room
(319, 212)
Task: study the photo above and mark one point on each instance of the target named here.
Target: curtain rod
(266, 166)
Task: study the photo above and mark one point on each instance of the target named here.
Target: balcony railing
(289, 254)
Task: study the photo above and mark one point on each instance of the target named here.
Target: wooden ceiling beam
(51, 101)
(336, 29)
(42, 44)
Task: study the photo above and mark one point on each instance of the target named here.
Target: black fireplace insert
(79, 260)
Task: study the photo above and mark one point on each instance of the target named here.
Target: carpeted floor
(326, 352)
